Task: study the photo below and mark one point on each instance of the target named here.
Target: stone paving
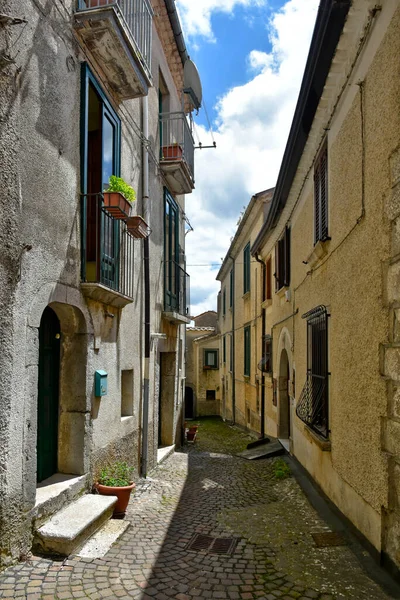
(206, 490)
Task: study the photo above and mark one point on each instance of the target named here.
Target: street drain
(329, 538)
(213, 545)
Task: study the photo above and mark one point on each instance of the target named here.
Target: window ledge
(246, 295)
(282, 290)
(319, 251)
(322, 443)
(266, 303)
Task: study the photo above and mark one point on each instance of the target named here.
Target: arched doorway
(189, 403)
(48, 395)
(284, 398)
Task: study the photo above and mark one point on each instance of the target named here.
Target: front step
(70, 527)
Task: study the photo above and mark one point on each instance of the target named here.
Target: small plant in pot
(118, 197)
(116, 480)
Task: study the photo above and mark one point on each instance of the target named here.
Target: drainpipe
(177, 30)
(146, 268)
(262, 432)
(233, 343)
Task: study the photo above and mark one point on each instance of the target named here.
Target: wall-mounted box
(100, 383)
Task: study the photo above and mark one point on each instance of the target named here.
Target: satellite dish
(192, 83)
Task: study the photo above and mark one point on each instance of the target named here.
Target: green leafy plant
(281, 469)
(118, 474)
(117, 184)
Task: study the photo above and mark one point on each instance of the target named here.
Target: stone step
(68, 529)
(267, 451)
(99, 544)
(55, 493)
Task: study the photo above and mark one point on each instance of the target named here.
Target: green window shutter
(224, 349)
(246, 269)
(247, 351)
(231, 289)
(224, 302)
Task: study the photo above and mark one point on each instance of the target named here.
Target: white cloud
(196, 14)
(251, 131)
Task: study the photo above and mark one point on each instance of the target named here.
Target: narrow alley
(208, 524)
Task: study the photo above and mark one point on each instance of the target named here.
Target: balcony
(107, 255)
(177, 294)
(117, 35)
(177, 152)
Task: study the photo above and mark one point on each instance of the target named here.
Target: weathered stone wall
(40, 104)
(345, 274)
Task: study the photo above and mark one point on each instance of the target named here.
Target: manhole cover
(329, 538)
(207, 543)
(223, 546)
(200, 542)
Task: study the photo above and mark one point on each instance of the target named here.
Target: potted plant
(137, 227)
(118, 197)
(116, 480)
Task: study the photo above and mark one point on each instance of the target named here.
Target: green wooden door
(48, 387)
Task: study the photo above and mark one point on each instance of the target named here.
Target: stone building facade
(330, 356)
(203, 361)
(82, 84)
(239, 320)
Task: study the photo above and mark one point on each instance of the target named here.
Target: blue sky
(223, 64)
(251, 56)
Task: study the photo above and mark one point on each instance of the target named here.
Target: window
(211, 359)
(127, 393)
(321, 197)
(171, 252)
(224, 302)
(231, 288)
(246, 370)
(224, 349)
(101, 157)
(210, 394)
(312, 407)
(265, 364)
(246, 269)
(282, 261)
(230, 353)
(268, 286)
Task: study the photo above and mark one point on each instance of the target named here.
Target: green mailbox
(100, 383)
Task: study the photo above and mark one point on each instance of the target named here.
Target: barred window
(312, 407)
(265, 364)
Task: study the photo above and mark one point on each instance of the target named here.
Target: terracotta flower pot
(96, 3)
(123, 494)
(171, 152)
(191, 436)
(117, 205)
(137, 227)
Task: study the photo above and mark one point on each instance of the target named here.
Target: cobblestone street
(207, 490)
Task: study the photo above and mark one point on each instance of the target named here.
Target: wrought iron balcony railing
(177, 289)
(137, 16)
(176, 140)
(107, 248)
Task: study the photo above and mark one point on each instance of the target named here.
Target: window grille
(210, 394)
(312, 407)
(321, 197)
(246, 370)
(265, 364)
